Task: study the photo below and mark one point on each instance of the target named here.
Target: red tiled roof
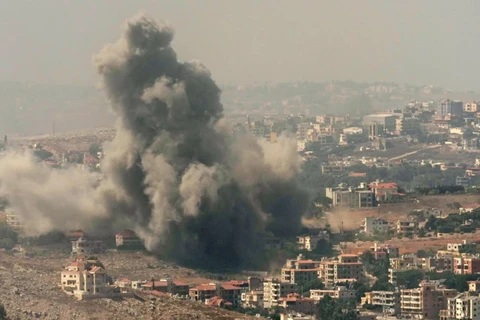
(124, 280)
(217, 302)
(237, 282)
(229, 287)
(204, 287)
(159, 293)
(471, 206)
(358, 174)
(384, 185)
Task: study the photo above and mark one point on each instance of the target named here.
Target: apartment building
(85, 246)
(406, 226)
(346, 268)
(208, 291)
(294, 302)
(253, 299)
(274, 289)
(466, 265)
(426, 301)
(405, 262)
(338, 292)
(384, 191)
(13, 220)
(300, 270)
(372, 225)
(463, 306)
(389, 300)
(474, 286)
(382, 251)
(309, 242)
(360, 197)
(173, 287)
(127, 238)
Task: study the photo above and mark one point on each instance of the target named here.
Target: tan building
(406, 226)
(300, 270)
(252, 299)
(387, 299)
(84, 278)
(173, 287)
(339, 292)
(309, 242)
(127, 238)
(13, 220)
(274, 289)
(345, 268)
(227, 292)
(426, 301)
(296, 303)
(463, 306)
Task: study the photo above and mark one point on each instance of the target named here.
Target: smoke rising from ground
(186, 187)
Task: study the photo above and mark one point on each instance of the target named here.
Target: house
(84, 246)
(466, 265)
(74, 234)
(403, 227)
(127, 238)
(337, 292)
(300, 270)
(388, 300)
(218, 302)
(173, 287)
(384, 191)
(252, 299)
(383, 251)
(468, 208)
(343, 196)
(294, 302)
(465, 305)
(227, 292)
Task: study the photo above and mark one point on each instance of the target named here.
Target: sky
(246, 41)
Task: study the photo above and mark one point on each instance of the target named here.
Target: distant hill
(31, 109)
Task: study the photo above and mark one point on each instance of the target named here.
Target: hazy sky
(242, 41)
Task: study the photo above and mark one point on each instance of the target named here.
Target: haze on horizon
(417, 42)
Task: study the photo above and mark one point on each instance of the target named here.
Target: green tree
(3, 312)
(329, 309)
(94, 149)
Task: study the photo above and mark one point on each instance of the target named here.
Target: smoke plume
(191, 191)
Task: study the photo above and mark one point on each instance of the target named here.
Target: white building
(80, 278)
(340, 292)
(372, 225)
(464, 306)
(273, 290)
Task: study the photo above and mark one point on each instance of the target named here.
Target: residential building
(173, 287)
(208, 291)
(294, 302)
(343, 196)
(127, 238)
(471, 144)
(464, 306)
(372, 225)
(406, 227)
(346, 268)
(426, 301)
(466, 265)
(300, 270)
(463, 181)
(380, 124)
(337, 292)
(274, 289)
(470, 107)
(405, 262)
(252, 299)
(449, 107)
(474, 286)
(384, 191)
(84, 246)
(309, 242)
(458, 247)
(389, 300)
(382, 251)
(468, 208)
(13, 220)
(84, 279)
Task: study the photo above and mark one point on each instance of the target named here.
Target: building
(426, 301)
(127, 238)
(470, 107)
(463, 181)
(346, 268)
(309, 242)
(406, 125)
(449, 107)
(294, 302)
(458, 247)
(274, 289)
(389, 300)
(173, 287)
(359, 197)
(13, 220)
(337, 292)
(463, 306)
(84, 246)
(85, 279)
(300, 270)
(380, 124)
(372, 225)
(405, 262)
(384, 251)
(406, 227)
(205, 292)
(384, 191)
(474, 286)
(252, 299)
(466, 265)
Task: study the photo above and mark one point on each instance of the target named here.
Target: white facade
(464, 306)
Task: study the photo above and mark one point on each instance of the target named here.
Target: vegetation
(42, 154)
(52, 237)
(467, 223)
(3, 312)
(94, 149)
(305, 287)
(8, 237)
(330, 309)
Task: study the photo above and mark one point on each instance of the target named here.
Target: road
(414, 152)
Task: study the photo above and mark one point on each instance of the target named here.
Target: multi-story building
(274, 289)
(168, 286)
(474, 286)
(382, 251)
(470, 107)
(449, 107)
(359, 197)
(127, 238)
(13, 220)
(294, 302)
(309, 242)
(384, 191)
(426, 301)
(208, 291)
(300, 270)
(466, 265)
(463, 306)
(405, 262)
(463, 181)
(373, 225)
(85, 246)
(344, 269)
(406, 226)
(380, 124)
(338, 292)
(84, 278)
(389, 300)
(252, 299)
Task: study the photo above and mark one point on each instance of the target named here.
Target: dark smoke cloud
(188, 189)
